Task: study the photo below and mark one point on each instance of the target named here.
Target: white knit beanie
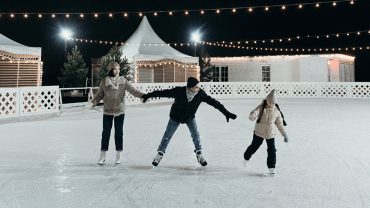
(113, 64)
(272, 97)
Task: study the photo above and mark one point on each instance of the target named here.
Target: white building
(287, 68)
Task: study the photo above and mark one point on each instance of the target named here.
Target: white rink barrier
(261, 89)
(35, 100)
(25, 101)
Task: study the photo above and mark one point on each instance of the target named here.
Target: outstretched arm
(133, 91)
(171, 93)
(216, 104)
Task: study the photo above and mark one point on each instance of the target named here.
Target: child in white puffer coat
(269, 117)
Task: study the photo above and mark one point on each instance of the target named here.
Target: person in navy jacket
(187, 101)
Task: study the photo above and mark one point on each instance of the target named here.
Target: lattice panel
(248, 90)
(334, 90)
(282, 89)
(8, 103)
(37, 101)
(304, 90)
(360, 90)
(221, 89)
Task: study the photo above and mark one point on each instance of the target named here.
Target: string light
(53, 15)
(234, 10)
(81, 15)
(67, 15)
(25, 15)
(96, 15)
(186, 12)
(40, 15)
(334, 3)
(12, 15)
(202, 12)
(125, 14)
(218, 11)
(317, 5)
(300, 6)
(110, 15)
(266, 8)
(155, 13)
(250, 9)
(283, 7)
(170, 13)
(352, 2)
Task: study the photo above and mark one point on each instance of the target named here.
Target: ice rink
(51, 161)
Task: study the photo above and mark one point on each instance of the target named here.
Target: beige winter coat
(271, 118)
(114, 96)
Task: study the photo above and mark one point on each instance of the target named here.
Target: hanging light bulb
(288, 39)
(53, 15)
(170, 13)
(281, 40)
(272, 41)
(250, 9)
(155, 13)
(12, 15)
(234, 10)
(327, 36)
(337, 35)
(300, 6)
(25, 15)
(283, 7)
(67, 15)
(317, 5)
(125, 14)
(95, 15)
(218, 11)
(186, 12)
(334, 3)
(202, 12)
(352, 2)
(81, 15)
(140, 14)
(110, 15)
(40, 15)
(358, 33)
(266, 8)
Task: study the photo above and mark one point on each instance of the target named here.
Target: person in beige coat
(269, 117)
(112, 91)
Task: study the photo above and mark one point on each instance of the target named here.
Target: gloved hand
(87, 107)
(229, 115)
(286, 138)
(252, 116)
(145, 97)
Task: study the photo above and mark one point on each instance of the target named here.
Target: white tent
(145, 45)
(154, 61)
(10, 46)
(20, 65)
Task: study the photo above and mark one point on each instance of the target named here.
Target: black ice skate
(157, 158)
(200, 157)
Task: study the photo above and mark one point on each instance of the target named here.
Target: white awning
(13, 47)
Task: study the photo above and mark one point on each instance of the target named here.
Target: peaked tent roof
(134, 49)
(13, 47)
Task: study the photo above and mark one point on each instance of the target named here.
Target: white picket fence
(25, 101)
(35, 100)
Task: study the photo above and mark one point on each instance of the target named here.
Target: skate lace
(200, 158)
(157, 158)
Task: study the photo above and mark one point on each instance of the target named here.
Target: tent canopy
(10, 46)
(155, 48)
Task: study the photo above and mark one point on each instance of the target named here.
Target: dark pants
(118, 131)
(271, 151)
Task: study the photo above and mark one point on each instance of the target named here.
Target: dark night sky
(226, 26)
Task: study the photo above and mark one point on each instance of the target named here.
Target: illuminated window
(266, 73)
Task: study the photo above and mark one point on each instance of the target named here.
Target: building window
(221, 74)
(266, 73)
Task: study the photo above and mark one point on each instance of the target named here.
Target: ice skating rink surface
(51, 162)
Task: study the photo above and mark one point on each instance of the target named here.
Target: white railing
(35, 100)
(25, 101)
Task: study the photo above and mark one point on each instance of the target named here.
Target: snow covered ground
(51, 162)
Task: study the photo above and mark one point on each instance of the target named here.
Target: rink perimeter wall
(38, 100)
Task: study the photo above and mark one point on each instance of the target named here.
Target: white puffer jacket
(270, 119)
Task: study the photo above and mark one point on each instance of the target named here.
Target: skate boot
(200, 157)
(102, 157)
(272, 171)
(245, 162)
(118, 157)
(157, 158)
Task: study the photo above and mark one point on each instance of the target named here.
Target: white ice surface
(51, 162)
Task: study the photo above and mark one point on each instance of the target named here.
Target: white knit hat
(113, 64)
(272, 96)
